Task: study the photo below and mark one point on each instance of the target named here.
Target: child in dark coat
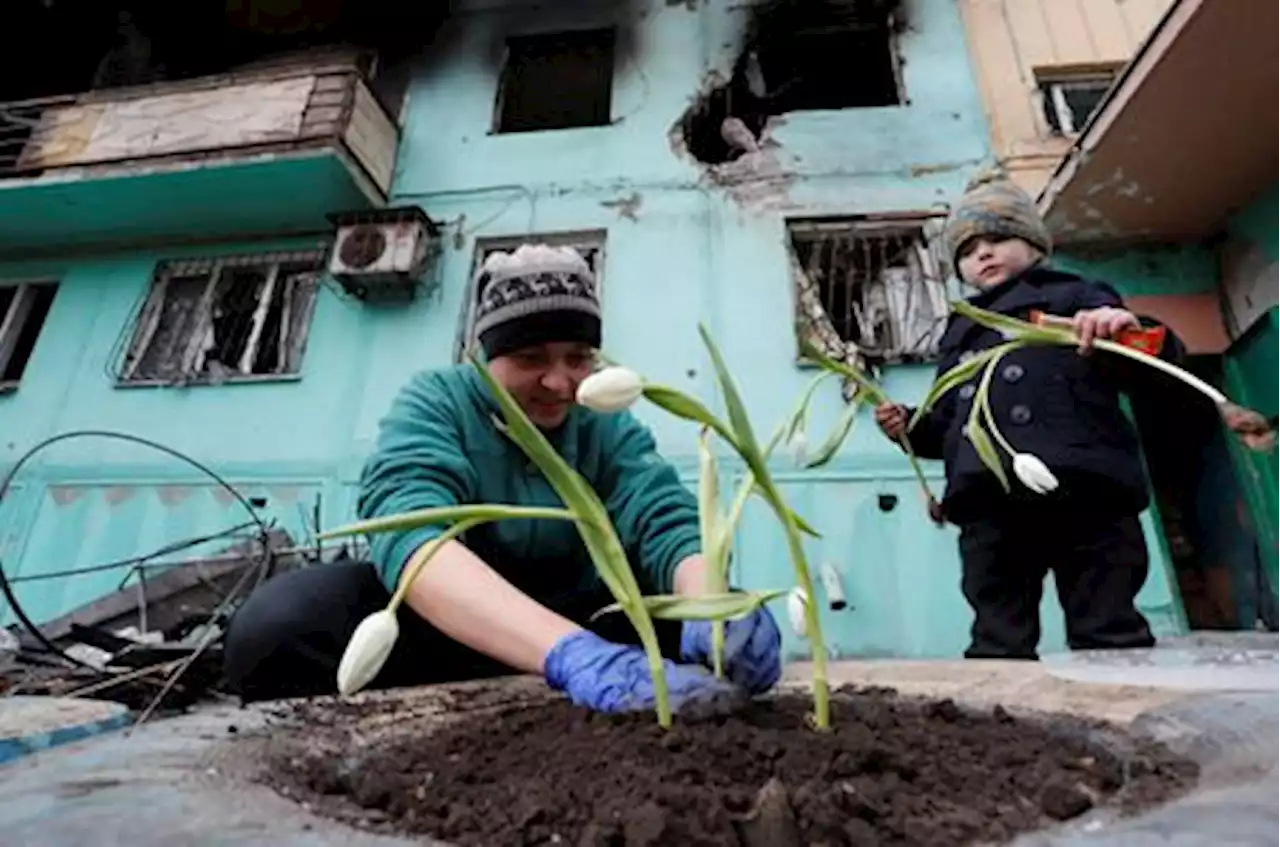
(1059, 404)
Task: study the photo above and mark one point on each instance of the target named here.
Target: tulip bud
(1033, 473)
(797, 602)
(367, 651)
(610, 389)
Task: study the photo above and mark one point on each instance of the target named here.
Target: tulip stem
(653, 652)
(813, 625)
(1160, 364)
(982, 403)
(881, 397)
(423, 554)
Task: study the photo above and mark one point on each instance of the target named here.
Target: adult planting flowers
(511, 595)
(1043, 468)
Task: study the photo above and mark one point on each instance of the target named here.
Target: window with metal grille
(871, 288)
(23, 309)
(1069, 98)
(229, 319)
(589, 244)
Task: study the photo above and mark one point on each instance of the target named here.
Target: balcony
(268, 152)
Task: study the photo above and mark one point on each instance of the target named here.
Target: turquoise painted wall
(1142, 271)
(689, 251)
(84, 502)
(1256, 222)
(1253, 375)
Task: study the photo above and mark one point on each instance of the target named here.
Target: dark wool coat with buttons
(1049, 401)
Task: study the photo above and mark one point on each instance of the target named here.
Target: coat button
(1012, 373)
(1020, 414)
(967, 391)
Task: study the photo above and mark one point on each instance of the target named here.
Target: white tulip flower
(1033, 473)
(367, 651)
(610, 389)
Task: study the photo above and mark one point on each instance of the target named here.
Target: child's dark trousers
(1098, 569)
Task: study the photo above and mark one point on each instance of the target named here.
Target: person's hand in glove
(752, 649)
(609, 677)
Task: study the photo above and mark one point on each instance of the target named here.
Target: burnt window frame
(595, 241)
(297, 276)
(23, 309)
(881, 23)
(815, 322)
(598, 36)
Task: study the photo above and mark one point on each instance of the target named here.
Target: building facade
(1180, 212)
(1043, 67)
(751, 168)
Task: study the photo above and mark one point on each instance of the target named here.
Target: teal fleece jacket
(439, 446)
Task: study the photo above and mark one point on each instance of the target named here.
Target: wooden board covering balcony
(260, 130)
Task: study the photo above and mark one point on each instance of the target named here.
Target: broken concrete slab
(176, 781)
(1012, 684)
(1202, 662)
(191, 780)
(28, 724)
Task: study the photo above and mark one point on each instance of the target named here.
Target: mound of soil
(890, 771)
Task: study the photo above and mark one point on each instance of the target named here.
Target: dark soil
(890, 771)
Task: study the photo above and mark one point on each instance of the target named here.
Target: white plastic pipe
(834, 586)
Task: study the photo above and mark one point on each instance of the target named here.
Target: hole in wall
(798, 56)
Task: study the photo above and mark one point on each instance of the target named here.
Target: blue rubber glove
(752, 649)
(610, 677)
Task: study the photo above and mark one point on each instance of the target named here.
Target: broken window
(842, 67)
(23, 309)
(589, 244)
(798, 56)
(1069, 99)
(216, 320)
(870, 289)
(556, 81)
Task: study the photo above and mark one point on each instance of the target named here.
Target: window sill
(208, 383)
(547, 130)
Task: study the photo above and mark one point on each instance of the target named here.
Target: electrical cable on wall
(134, 561)
(6, 586)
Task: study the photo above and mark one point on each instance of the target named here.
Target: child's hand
(1105, 322)
(892, 419)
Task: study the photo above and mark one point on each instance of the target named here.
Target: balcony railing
(205, 120)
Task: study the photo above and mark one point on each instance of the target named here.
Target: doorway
(1202, 506)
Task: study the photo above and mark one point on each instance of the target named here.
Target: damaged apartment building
(236, 230)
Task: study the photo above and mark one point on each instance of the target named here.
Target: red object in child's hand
(1149, 340)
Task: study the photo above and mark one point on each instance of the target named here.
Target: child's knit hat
(994, 205)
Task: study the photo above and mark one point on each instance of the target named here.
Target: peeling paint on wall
(756, 181)
(626, 207)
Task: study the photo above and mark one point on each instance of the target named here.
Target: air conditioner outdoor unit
(380, 255)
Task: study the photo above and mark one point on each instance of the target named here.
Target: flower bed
(507, 770)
